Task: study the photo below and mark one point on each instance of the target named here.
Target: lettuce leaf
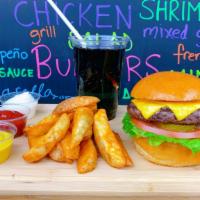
(156, 140)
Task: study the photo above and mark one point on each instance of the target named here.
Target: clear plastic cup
(7, 132)
(99, 61)
(16, 115)
(29, 99)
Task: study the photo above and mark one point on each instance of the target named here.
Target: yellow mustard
(6, 143)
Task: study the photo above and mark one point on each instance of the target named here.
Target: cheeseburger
(164, 118)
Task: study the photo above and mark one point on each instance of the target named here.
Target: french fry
(88, 134)
(70, 105)
(71, 116)
(106, 141)
(69, 153)
(87, 161)
(93, 107)
(42, 127)
(129, 161)
(49, 141)
(33, 140)
(82, 122)
(57, 154)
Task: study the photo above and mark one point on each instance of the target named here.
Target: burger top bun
(168, 86)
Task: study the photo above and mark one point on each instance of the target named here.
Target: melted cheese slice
(180, 109)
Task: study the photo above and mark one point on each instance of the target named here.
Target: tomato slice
(150, 127)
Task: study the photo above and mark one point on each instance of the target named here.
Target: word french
(186, 55)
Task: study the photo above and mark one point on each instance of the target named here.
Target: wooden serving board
(51, 179)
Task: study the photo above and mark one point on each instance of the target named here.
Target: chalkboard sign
(35, 53)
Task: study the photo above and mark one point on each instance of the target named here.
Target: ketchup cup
(15, 114)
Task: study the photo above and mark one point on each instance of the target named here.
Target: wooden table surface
(50, 180)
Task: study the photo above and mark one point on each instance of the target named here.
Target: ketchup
(16, 118)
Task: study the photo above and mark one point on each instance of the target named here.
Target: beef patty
(165, 115)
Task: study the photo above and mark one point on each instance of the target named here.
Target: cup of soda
(98, 61)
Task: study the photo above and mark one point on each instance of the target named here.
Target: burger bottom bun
(167, 154)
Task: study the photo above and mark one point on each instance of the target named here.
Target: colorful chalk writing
(16, 72)
(183, 54)
(40, 89)
(44, 63)
(125, 35)
(166, 33)
(36, 54)
(15, 53)
(173, 10)
(126, 94)
(38, 34)
(134, 67)
(80, 14)
(198, 37)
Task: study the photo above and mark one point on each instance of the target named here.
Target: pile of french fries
(76, 131)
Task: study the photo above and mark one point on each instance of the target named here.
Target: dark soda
(98, 74)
